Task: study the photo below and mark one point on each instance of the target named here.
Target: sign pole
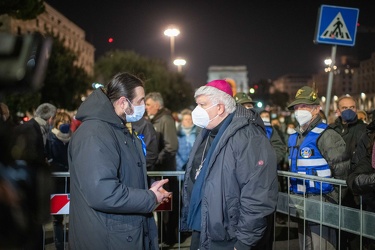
(330, 80)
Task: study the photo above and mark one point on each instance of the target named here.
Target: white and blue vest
(307, 159)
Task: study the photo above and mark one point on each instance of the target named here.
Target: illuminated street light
(179, 62)
(172, 33)
(363, 98)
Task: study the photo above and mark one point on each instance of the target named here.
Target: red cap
(221, 85)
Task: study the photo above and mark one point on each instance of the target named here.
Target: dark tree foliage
(279, 99)
(65, 83)
(176, 91)
(22, 9)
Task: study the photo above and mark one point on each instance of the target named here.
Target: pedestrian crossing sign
(336, 25)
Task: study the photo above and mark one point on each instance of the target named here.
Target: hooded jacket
(240, 184)
(110, 204)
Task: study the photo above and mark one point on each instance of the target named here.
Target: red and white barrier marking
(60, 203)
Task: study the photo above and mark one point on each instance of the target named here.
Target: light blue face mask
(138, 112)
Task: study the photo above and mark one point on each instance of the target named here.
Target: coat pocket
(130, 239)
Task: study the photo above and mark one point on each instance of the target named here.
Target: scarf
(61, 136)
(195, 216)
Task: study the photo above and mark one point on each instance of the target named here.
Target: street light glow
(328, 61)
(179, 61)
(172, 32)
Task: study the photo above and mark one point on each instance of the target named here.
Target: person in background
(362, 115)
(177, 118)
(347, 123)
(361, 179)
(318, 150)
(110, 203)
(146, 132)
(57, 156)
(165, 127)
(351, 130)
(278, 144)
(75, 123)
(290, 129)
(30, 141)
(323, 116)
(230, 187)
(186, 134)
(245, 100)
(274, 136)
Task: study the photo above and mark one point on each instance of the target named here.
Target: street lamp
(172, 33)
(363, 97)
(179, 62)
(331, 64)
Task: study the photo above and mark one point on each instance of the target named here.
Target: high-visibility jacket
(307, 159)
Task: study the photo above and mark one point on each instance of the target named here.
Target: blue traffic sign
(336, 25)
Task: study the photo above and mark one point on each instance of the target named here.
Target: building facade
(236, 74)
(53, 21)
(290, 83)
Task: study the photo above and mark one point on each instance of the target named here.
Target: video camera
(23, 61)
(24, 187)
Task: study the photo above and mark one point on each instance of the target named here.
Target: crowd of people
(230, 153)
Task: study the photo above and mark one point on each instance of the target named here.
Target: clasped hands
(162, 195)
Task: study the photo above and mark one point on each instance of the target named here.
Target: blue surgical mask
(138, 112)
(64, 128)
(349, 115)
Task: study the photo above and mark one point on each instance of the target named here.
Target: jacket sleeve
(278, 145)
(256, 174)
(362, 179)
(333, 148)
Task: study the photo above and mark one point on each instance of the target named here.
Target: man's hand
(161, 194)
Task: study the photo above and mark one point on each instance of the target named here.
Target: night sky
(271, 38)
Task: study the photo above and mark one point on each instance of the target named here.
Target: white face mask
(290, 131)
(137, 114)
(200, 116)
(266, 119)
(303, 116)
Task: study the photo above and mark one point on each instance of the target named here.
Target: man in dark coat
(351, 130)
(230, 185)
(164, 124)
(111, 206)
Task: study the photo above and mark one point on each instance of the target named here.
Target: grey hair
(156, 97)
(45, 111)
(218, 97)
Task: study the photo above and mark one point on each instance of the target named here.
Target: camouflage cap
(242, 98)
(305, 95)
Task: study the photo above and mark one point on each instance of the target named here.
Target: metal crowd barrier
(352, 220)
(343, 218)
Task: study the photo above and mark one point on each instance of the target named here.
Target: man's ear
(221, 108)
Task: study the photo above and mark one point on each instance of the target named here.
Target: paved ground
(281, 235)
